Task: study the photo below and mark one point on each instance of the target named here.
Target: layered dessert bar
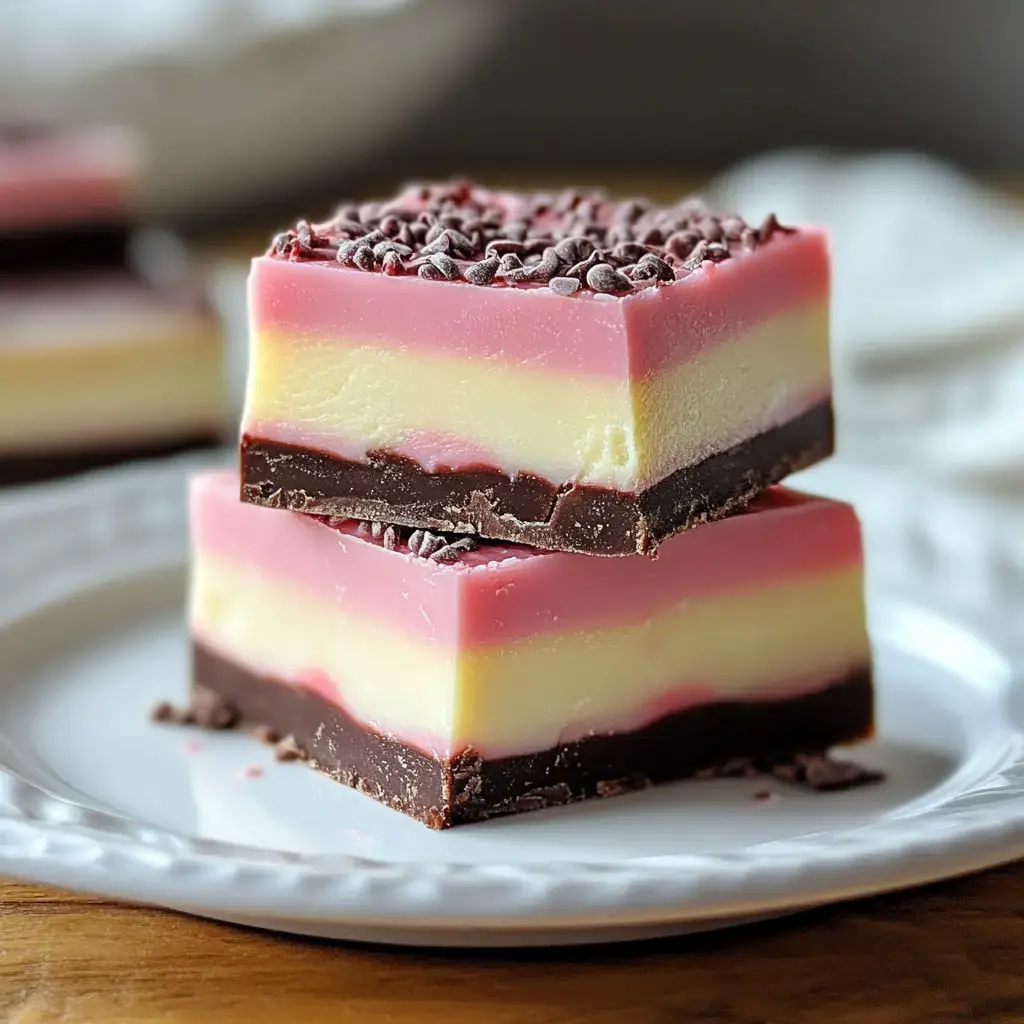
(558, 371)
(108, 348)
(456, 680)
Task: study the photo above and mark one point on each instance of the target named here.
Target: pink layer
(589, 334)
(499, 593)
(74, 179)
(437, 451)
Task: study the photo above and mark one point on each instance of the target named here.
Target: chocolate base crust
(36, 467)
(79, 248)
(526, 509)
(467, 788)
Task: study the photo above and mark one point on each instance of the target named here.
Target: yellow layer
(597, 431)
(523, 697)
(75, 396)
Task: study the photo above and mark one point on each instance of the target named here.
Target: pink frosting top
(498, 593)
(588, 334)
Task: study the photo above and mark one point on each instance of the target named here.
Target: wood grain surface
(948, 953)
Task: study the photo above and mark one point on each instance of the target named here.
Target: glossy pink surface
(500, 594)
(588, 334)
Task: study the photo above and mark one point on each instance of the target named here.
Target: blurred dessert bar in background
(109, 348)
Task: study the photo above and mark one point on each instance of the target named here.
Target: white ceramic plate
(96, 798)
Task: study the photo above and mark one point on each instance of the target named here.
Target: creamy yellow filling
(610, 432)
(526, 696)
(79, 395)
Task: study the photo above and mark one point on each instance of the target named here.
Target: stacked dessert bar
(107, 350)
(508, 537)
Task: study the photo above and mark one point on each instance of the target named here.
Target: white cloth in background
(928, 314)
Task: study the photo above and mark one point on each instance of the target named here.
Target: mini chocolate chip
(392, 264)
(446, 265)
(430, 543)
(430, 273)
(390, 225)
(749, 239)
(504, 246)
(381, 249)
(580, 270)
(483, 272)
(604, 278)
(697, 256)
(770, 226)
(415, 540)
(717, 251)
(376, 530)
(619, 234)
(650, 265)
(390, 538)
(711, 229)
(510, 261)
(405, 236)
(363, 258)
(373, 238)
(517, 230)
(574, 248)
(369, 212)
(733, 227)
(548, 266)
(681, 243)
(629, 252)
(453, 552)
(564, 285)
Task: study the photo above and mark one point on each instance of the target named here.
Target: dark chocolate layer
(526, 509)
(32, 468)
(468, 788)
(84, 247)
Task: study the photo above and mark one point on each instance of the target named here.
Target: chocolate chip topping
(456, 231)
(429, 544)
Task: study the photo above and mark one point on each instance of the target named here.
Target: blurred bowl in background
(239, 100)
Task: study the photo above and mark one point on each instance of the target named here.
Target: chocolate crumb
(288, 749)
(564, 285)
(603, 278)
(764, 794)
(163, 711)
(265, 734)
(827, 774)
(209, 711)
(453, 551)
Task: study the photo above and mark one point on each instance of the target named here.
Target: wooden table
(948, 953)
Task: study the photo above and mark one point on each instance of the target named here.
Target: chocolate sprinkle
(538, 239)
(564, 285)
